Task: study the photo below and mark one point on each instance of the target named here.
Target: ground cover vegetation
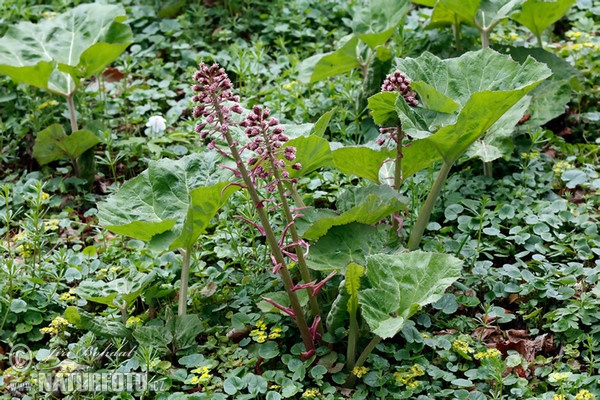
(300, 199)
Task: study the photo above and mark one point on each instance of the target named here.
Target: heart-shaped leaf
(401, 284)
(54, 144)
(537, 15)
(171, 203)
(56, 53)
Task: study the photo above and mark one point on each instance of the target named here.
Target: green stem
(72, 113)
(398, 178)
(487, 169)
(302, 267)
(271, 241)
(425, 214)
(361, 360)
(352, 340)
(185, 275)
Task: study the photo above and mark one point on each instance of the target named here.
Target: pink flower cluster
(267, 141)
(399, 82)
(214, 92)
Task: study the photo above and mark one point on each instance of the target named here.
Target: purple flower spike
(399, 82)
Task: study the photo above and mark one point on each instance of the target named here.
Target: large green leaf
(322, 66)
(550, 98)
(537, 15)
(54, 144)
(484, 13)
(497, 141)
(454, 12)
(124, 289)
(485, 85)
(100, 326)
(401, 284)
(361, 161)
(345, 244)
(170, 203)
(366, 205)
(313, 152)
(55, 53)
(376, 21)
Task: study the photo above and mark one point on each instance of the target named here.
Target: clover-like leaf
(171, 203)
(401, 284)
(56, 53)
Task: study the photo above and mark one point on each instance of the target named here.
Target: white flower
(156, 123)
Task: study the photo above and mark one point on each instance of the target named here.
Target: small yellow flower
(311, 393)
(113, 270)
(360, 371)
(45, 196)
(559, 376)
(489, 353)
(576, 46)
(462, 347)
(274, 386)
(559, 397)
(416, 370)
(51, 225)
(195, 380)
(425, 335)
(134, 321)
(584, 394)
(66, 297)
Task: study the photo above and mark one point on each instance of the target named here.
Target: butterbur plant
(265, 170)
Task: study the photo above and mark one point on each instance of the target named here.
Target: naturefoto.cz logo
(66, 379)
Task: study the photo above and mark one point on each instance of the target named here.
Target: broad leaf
(54, 144)
(454, 12)
(492, 12)
(98, 325)
(56, 53)
(312, 152)
(401, 284)
(345, 244)
(550, 98)
(376, 21)
(361, 161)
(124, 289)
(485, 85)
(366, 205)
(322, 66)
(170, 203)
(537, 15)
(497, 141)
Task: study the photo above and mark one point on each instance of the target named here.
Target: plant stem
(72, 113)
(185, 275)
(302, 267)
(361, 359)
(487, 169)
(425, 214)
(398, 178)
(352, 339)
(272, 242)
